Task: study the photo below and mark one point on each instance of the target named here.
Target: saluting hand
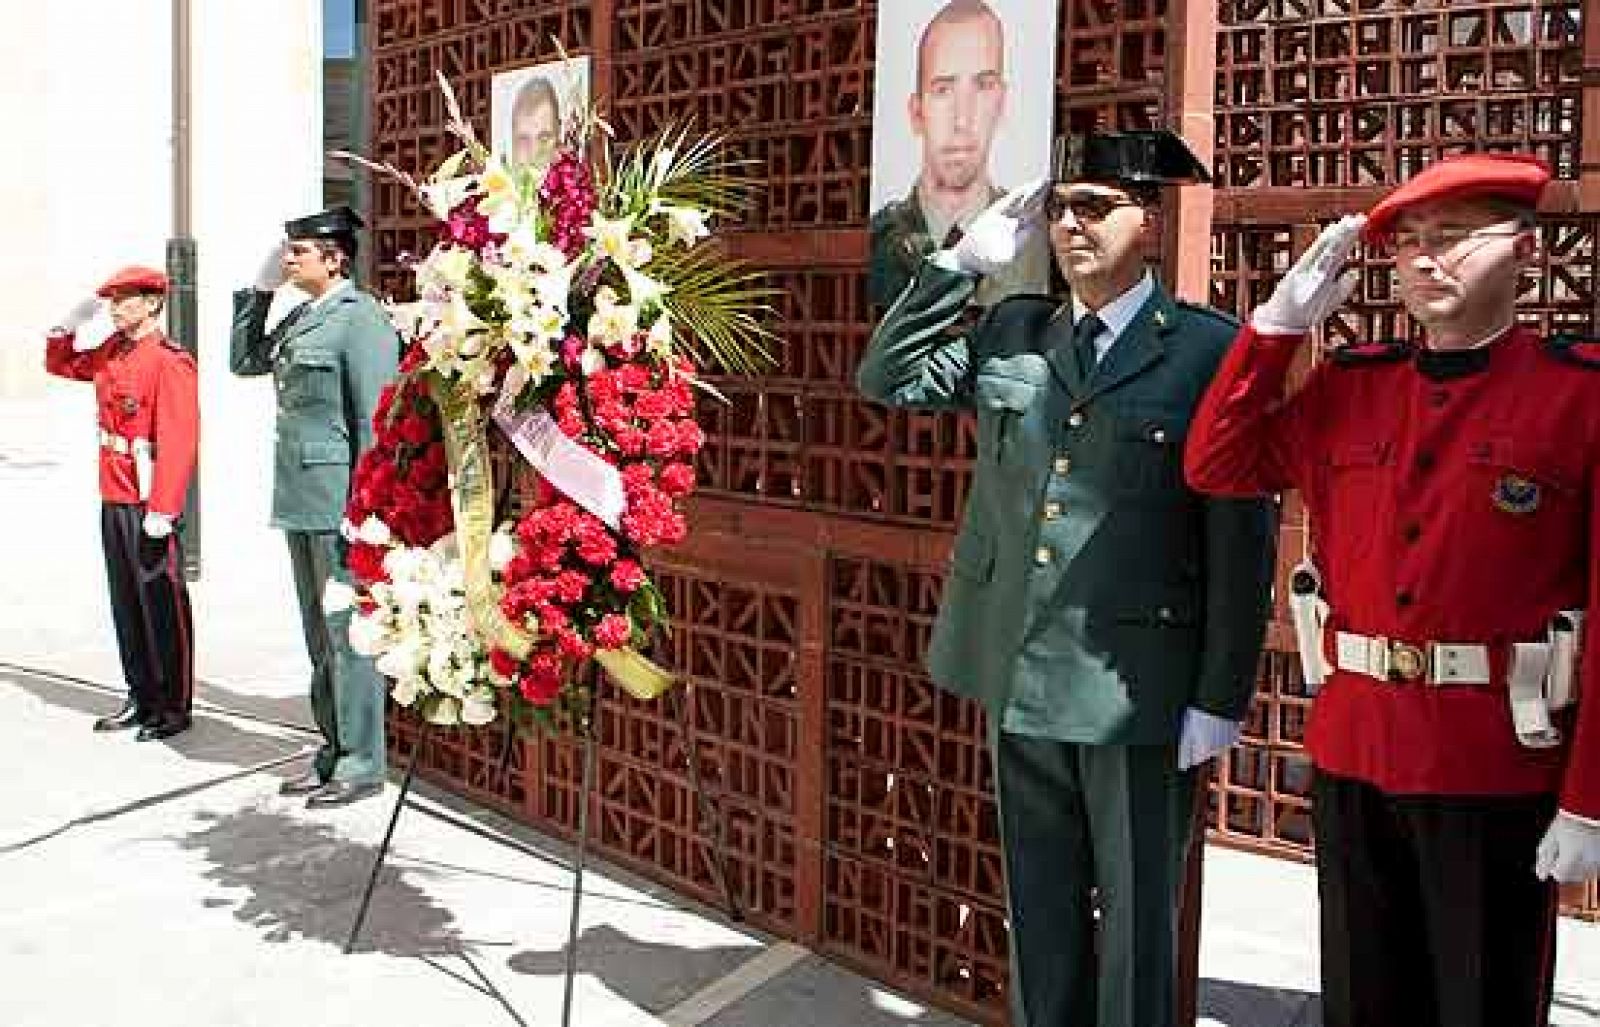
(1000, 233)
(271, 274)
(1314, 287)
(79, 315)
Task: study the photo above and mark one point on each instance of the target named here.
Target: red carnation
(690, 438)
(613, 631)
(677, 479)
(541, 681)
(571, 586)
(414, 430)
(503, 663)
(627, 576)
(574, 647)
(662, 440)
(366, 562)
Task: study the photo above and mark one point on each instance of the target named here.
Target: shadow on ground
(652, 976)
(1249, 1005)
(292, 879)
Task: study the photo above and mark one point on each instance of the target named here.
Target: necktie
(1084, 333)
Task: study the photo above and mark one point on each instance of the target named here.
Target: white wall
(85, 93)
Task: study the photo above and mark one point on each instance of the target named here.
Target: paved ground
(168, 884)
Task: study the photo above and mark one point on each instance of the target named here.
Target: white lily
(443, 195)
(444, 711)
(612, 322)
(406, 690)
(659, 339)
(445, 269)
(337, 596)
(401, 660)
(502, 547)
(612, 236)
(685, 225)
(500, 202)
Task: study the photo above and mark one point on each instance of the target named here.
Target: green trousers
(1092, 829)
(347, 693)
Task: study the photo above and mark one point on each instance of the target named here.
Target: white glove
(270, 275)
(1313, 288)
(82, 313)
(1204, 735)
(157, 525)
(996, 236)
(1570, 851)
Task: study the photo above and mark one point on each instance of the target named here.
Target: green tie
(1084, 333)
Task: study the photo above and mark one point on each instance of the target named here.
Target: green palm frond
(718, 308)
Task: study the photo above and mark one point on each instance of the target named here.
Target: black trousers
(1431, 913)
(150, 608)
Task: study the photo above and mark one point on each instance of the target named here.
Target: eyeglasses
(1442, 240)
(1084, 207)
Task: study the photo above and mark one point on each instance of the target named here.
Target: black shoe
(341, 793)
(125, 718)
(307, 783)
(165, 727)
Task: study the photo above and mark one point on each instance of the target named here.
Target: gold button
(1062, 465)
(1076, 420)
(1052, 511)
(1159, 435)
(1042, 555)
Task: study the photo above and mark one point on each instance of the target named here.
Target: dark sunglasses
(1090, 207)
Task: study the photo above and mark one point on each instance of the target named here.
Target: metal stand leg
(587, 730)
(711, 812)
(388, 836)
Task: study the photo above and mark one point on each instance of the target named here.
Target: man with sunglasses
(149, 412)
(329, 358)
(1108, 618)
(1453, 487)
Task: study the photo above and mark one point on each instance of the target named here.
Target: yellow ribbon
(638, 676)
(466, 450)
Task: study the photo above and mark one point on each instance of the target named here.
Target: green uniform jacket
(1092, 595)
(329, 361)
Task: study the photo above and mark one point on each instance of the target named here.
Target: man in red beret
(149, 417)
(1453, 486)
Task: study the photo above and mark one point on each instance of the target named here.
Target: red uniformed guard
(149, 430)
(1454, 494)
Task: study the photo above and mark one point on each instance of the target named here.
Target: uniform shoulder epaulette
(1581, 350)
(1220, 316)
(1386, 351)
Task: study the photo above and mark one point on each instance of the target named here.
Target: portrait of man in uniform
(962, 112)
(527, 105)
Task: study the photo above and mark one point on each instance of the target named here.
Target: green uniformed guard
(1109, 618)
(329, 358)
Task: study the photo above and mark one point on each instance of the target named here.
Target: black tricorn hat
(1126, 158)
(336, 223)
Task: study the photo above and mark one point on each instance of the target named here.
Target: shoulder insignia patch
(1582, 350)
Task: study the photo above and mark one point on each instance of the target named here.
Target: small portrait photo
(963, 112)
(527, 107)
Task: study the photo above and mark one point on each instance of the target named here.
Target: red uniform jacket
(145, 392)
(1425, 528)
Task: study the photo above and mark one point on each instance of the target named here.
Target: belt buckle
(1405, 662)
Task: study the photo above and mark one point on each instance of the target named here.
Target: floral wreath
(571, 304)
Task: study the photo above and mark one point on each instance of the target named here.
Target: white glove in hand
(1313, 288)
(157, 525)
(1570, 851)
(270, 275)
(81, 314)
(1204, 735)
(996, 236)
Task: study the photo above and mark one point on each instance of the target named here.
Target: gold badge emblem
(1160, 319)
(1515, 494)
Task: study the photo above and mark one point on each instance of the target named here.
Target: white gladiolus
(368, 634)
(406, 690)
(478, 707)
(444, 710)
(373, 531)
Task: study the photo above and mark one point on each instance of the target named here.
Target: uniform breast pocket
(1356, 476)
(1521, 496)
(1150, 452)
(1002, 404)
(310, 378)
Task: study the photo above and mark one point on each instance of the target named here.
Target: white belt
(1433, 663)
(124, 445)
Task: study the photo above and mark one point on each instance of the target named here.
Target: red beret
(1515, 177)
(134, 279)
